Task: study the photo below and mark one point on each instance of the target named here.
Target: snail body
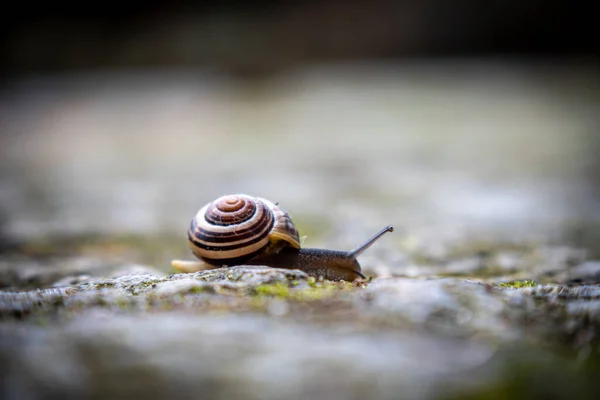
(245, 230)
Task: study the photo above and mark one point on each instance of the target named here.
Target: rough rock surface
(255, 332)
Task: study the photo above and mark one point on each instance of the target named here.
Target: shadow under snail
(244, 230)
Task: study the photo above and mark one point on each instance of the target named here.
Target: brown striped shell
(236, 228)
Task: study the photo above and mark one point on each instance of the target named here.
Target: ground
(488, 288)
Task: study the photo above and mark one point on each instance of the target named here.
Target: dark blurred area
(46, 48)
(251, 38)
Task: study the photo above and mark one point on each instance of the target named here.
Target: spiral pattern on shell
(236, 228)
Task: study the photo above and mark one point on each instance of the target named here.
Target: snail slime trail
(240, 229)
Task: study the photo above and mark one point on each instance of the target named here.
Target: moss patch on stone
(313, 289)
(518, 284)
(277, 289)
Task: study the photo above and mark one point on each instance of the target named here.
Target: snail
(244, 230)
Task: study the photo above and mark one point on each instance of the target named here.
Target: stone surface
(253, 332)
(587, 272)
(488, 288)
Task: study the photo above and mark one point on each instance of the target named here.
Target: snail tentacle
(360, 249)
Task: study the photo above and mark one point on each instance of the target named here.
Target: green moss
(315, 290)
(276, 290)
(518, 284)
(310, 294)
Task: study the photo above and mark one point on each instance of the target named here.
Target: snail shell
(234, 229)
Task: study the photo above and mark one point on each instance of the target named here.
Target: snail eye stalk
(360, 249)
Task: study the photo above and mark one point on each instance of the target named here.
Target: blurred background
(451, 120)
(471, 126)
